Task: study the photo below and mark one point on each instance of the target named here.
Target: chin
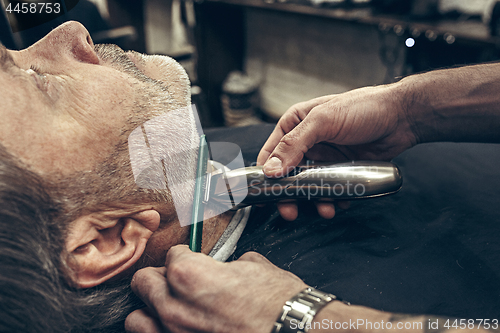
(166, 70)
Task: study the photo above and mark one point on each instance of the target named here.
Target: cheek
(101, 106)
(68, 147)
(33, 134)
(87, 130)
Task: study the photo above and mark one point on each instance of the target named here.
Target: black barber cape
(432, 248)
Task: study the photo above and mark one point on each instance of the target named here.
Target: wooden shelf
(468, 31)
(222, 32)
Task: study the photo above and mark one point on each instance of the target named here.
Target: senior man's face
(65, 104)
(67, 110)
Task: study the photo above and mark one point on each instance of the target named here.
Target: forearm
(461, 104)
(337, 317)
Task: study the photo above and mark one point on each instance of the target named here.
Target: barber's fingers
(150, 285)
(149, 280)
(288, 210)
(153, 288)
(187, 271)
(179, 253)
(325, 209)
(141, 321)
(292, 147)
(291, 136)
(185, 268)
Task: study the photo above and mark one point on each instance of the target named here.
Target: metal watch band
(299, 311)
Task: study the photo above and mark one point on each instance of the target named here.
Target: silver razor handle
(341, 181)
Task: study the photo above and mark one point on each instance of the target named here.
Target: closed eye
(36, 69)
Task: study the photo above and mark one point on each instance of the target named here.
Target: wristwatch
(299, 311)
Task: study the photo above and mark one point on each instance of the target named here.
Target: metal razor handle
(341, 181)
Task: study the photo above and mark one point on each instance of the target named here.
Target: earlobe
(105, 245)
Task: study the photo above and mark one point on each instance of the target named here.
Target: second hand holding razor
(238, 188)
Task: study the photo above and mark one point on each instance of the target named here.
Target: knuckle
(293, 116)
(294, 109)
(174, 251)
(164, 309)
(177, 272)
(255, 257)
(289, 140)
(252, 256)
(322, 114)
(142, 276)
(183, 277)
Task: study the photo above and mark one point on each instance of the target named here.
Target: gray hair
(34, 293)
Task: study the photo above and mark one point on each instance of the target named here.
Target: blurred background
(250, 60)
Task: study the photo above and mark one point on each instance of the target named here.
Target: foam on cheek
(163, 154)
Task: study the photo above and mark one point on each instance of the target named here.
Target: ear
(107, 244)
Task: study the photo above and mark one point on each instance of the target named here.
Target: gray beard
(111, 183)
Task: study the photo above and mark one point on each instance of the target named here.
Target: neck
(171, 233)
(213, 228)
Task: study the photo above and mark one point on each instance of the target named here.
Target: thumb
(291, 148)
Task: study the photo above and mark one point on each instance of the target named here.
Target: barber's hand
(363, 124)
(195, 293)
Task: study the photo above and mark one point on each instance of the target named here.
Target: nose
(68, 41)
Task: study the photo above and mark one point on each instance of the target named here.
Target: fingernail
(272, 165)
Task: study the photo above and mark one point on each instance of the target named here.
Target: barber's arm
(195, 293)
(379, 123)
